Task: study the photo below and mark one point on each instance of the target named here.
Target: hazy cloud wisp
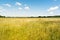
(52, 9)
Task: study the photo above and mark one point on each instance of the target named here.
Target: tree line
(58, 16)
(2, 16)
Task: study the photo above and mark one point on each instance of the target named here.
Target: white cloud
(27, 8)
(51, 12)
(20, 8)
(53, 8)
(8, 5)
(18, 3)
(1, 9)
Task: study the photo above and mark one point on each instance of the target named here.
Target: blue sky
(29, 7)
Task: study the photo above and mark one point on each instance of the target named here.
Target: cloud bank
(51, 10)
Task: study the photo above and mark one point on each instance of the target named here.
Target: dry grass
(29, 28)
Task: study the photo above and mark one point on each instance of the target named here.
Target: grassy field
(29, 28)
